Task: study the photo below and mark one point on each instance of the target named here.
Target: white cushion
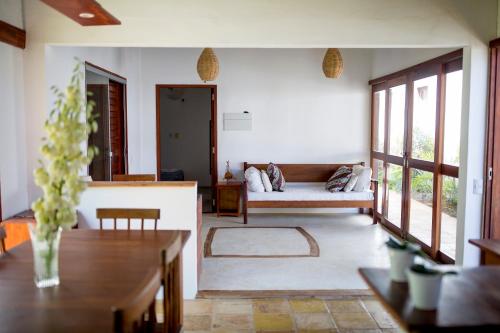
(308, 192)
(266, 181)
(254, 180)
(350, 184)
(364, 178)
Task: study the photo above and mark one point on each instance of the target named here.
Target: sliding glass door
(415, 146)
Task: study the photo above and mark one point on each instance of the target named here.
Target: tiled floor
(287, 315)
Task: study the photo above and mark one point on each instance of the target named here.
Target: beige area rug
(346, 241)
(260, 242)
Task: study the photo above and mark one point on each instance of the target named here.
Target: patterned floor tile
(310, 305)
(342, 306)
(233, 306)
(197, 322)
(373, 306)
(354, 320)
(271, 306)
(350, 330)
(198, 306)
(232, 321)
(273, 322)
(316, 321)
(384, 320)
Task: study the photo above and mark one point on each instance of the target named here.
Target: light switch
(477, 186)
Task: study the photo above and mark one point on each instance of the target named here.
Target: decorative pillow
(364, 178)
(276, 177)
(339, 179)
(350, 184)
(254, 181)
(265, 180)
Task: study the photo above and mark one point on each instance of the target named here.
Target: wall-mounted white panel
(237, 121)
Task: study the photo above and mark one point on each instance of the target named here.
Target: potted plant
(425, 286)
(64, 156)
(401, 256)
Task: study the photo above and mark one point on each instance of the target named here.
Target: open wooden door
(117, 141)
(109, 93)
(99, 169)
(491, 228)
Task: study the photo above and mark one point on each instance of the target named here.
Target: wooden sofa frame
(309, 173)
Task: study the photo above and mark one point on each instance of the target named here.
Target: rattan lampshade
(208, 65)
(333, 64)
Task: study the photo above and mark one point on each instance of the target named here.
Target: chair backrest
(129, 316)
(129, 214)
(134, 178)
(172, 287)
(3, 235)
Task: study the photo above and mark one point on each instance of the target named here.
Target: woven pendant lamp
(208, 65)
(333, 64)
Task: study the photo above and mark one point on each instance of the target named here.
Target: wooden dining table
(469, 301)
(98, 269)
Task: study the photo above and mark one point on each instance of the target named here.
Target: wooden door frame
(213, 123)
(123, 81)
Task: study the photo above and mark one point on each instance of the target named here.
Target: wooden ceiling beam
(12, 35)
(84, 12)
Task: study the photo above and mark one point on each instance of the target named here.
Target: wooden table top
(98, 269)
(491, 245)
(470, 301)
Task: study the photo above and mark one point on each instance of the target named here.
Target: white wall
(13, 172)
(177, 212)
(60, 62)
(185, 133)
(298, 115)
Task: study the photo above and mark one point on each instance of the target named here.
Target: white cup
(424, 289)
(400, 260)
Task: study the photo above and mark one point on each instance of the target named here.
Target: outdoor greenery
(422, 181)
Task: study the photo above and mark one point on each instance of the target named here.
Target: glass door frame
(439, 66)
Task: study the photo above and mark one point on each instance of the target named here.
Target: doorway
(108, 92)
(186, 140)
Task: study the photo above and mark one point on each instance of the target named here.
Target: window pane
(394, 193)
(453, 110)
(424, 118)
(378, 171)
(397, 122)
(421, 183)
(449, 200)
(379, 114)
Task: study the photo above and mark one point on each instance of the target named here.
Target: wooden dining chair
(172, 285)
(134, 178)
(3, 235)
(136, 313)
(128, 214)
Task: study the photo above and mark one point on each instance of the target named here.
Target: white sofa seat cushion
(308, 192)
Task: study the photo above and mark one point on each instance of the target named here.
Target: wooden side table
(490, 250)
(228, 198)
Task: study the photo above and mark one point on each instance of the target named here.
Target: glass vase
(45, 257)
